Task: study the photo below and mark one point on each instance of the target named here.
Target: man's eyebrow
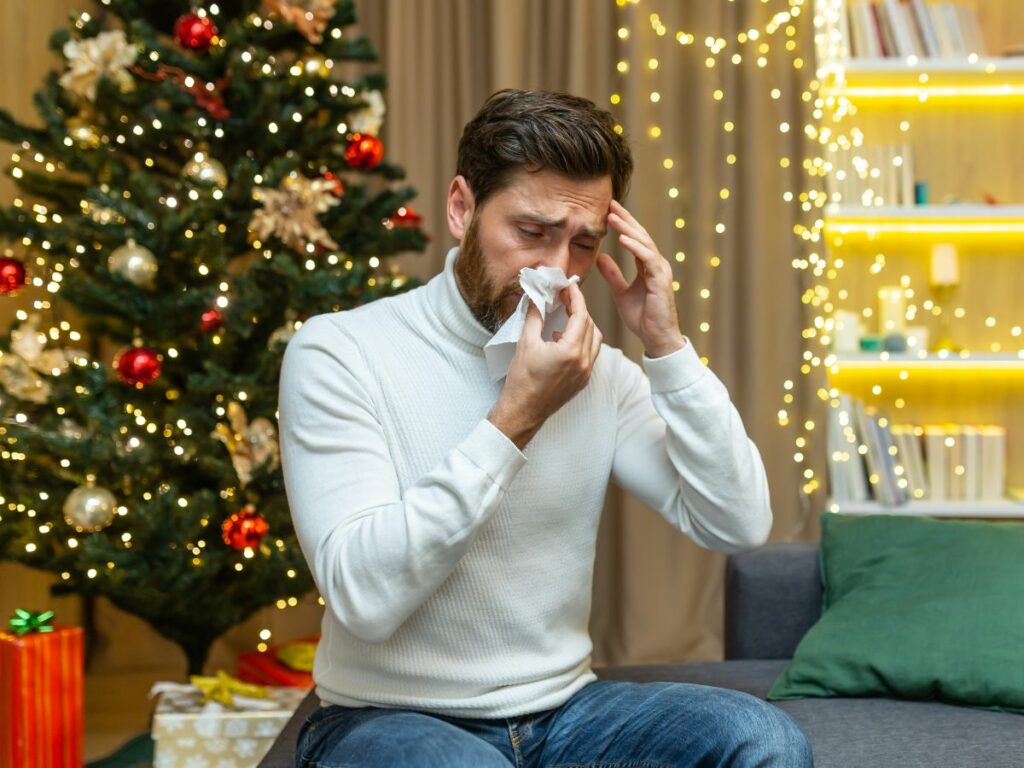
(535, 218)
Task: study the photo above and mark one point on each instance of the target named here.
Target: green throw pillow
(916, 608)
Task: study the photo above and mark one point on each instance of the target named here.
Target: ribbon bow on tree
(23, 622)
(21, 366)
(250, 445)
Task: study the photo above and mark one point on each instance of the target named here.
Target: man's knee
(761, 734)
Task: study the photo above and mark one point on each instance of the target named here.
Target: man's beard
(488, 304)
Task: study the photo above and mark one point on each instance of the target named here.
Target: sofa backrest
(772, 597)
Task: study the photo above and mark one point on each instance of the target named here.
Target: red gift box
(41, 699)
(264, 668)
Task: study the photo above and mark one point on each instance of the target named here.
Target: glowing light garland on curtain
(754, 43)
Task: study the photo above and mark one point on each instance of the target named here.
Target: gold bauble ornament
(315, 65)
(89, 508)
(135, 263)
(203, 168)
(83, 133)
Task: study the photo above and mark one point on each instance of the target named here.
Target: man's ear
(460, 207)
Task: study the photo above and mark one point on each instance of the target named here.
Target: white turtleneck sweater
(456, 569)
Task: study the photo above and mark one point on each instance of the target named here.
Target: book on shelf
(872, 459)
(926, 29)
(871, 175)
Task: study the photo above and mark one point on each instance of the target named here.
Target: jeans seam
(615, 764)
(514, 739)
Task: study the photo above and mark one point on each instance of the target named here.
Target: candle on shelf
(892, 310)
(917, 339)
(945, 278)
(945, 266)
(846, 331)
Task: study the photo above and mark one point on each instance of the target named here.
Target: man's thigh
(671, 725)
(343, 737)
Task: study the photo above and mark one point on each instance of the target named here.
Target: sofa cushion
(843, 732)
(772, 597)
(916, 608)
(853, 733)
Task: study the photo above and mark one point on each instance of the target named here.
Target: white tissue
(541, 286)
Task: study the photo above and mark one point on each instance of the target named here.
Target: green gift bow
(23, 622)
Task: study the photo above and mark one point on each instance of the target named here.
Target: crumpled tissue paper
(541, 286)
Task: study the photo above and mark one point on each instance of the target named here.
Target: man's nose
(558, 255)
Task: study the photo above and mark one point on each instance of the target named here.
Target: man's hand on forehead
(647, 305)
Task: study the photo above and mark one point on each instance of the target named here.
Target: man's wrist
(662, 348)
(518, 430)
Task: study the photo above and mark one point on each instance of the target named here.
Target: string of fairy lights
(754, 44)
(830, 133)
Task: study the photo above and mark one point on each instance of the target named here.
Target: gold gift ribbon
(223, 688)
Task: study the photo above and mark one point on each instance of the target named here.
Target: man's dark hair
(541, 130)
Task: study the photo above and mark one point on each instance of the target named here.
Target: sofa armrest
(772, 597)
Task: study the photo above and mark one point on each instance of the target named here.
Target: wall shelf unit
(953, 124)
(1007, 508)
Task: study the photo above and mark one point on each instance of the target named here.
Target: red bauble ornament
(12, 275)
(195, 31)
(212, 320)
(244, 529)
(406, 217)
(137, 365)
(364, 151)
(337, 186)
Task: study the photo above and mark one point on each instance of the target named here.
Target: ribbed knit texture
(455, 568)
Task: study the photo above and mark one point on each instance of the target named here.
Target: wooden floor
(117, 708)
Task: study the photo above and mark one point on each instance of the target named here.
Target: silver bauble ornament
(135, 263)
(204, 168)
(89, 508)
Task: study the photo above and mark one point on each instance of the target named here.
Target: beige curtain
(657, 596)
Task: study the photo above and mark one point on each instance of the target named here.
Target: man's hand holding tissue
(544, 375)
(647, 305)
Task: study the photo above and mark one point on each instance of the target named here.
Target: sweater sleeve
(376, 553)
(681, 448)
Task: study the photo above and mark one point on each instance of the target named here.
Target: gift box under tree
(219, 721)
(41, 693)
(289, 663)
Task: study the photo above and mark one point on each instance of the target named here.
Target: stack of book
(942, 29)
(871, 175)
(872, 459)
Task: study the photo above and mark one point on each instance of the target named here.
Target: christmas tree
(201, 181)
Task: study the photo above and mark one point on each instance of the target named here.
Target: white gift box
(190, 734)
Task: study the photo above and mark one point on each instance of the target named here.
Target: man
(450, 521)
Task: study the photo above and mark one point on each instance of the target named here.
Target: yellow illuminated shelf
(924, 507)
(994, 224)
(952, 362)
(907, 82)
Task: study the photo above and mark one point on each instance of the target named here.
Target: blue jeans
(606, 724)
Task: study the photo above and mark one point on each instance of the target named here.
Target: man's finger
(576, 301)
(533, 324)
(630, 221)
(595, 344)
(588, 335)
(577, 315)
(610, 271)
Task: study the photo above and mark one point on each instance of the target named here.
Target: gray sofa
(773, 596)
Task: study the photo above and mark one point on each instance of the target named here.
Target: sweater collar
(452, 308)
